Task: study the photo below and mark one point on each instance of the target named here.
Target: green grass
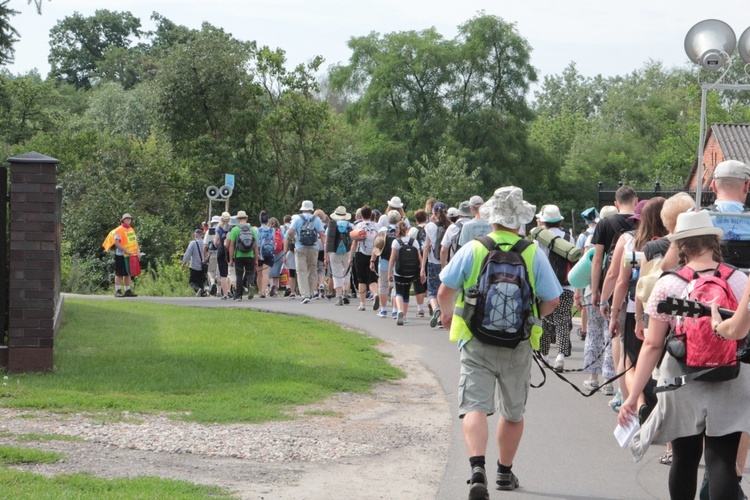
(13, 455)
(26, 485)
(48, 437)
(204, 365)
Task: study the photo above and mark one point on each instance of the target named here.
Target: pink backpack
(703, 349)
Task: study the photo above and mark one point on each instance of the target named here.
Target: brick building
(723, 142)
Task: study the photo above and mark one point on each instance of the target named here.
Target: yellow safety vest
(459, 329)
(127, 239)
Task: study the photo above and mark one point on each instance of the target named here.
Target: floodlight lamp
(743, 46)
(710, 43)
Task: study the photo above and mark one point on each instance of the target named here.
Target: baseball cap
(732, 169)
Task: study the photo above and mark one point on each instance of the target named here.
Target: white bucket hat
(341, 214)
(395, 202)
(692, 224)
(508, 208)
(306, 206)
(550, 213)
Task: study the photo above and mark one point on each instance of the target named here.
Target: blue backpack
(498, 306)
(266, 243)
(344, 239)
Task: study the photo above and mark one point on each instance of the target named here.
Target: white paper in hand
(625, 434)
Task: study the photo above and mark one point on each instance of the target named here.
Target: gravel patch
(368, 439)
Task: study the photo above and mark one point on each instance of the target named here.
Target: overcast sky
(605, 37)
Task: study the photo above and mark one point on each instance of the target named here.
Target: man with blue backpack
(494, 292)
(306, 229)
(338, 247)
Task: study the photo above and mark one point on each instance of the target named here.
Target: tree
(27, 106)
(79, 45)
(8, 34)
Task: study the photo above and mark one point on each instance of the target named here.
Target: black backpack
(307, 234)
(390, 235)
(436, 245)
(245, 238)
(620, 227)
(407, 261)
(560, 264)
(421, 235)
(498, 306)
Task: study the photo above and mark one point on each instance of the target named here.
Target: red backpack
(278, 241)
(703, 349)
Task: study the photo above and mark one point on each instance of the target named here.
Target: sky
(606, 37)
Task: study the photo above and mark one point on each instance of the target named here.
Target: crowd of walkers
(468, 266)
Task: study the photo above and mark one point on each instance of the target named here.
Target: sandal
(666, 459)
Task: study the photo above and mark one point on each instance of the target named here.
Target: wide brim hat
(307, 205)
(341, 214)
(379, 244)
(464, 209)
(126, 216)
(215, 219)
(590, 214)
(241, 215)
(226, 217)
(692, 224)
(508, 208)
(649, 275)
(395, 202)
(551, 214)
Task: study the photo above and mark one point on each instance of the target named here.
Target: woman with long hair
(698, 413)
(402, 282)
(434, 231)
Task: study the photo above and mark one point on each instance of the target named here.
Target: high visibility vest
(459, 329)
(127, 239)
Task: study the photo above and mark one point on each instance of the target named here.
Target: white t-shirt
(453, 231)
(365, 246)
(402, 241)
(431, 230)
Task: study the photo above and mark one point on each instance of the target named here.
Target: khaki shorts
(487, 370)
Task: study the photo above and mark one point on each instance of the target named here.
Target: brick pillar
(34, 300)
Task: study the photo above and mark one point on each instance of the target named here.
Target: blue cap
(590, 214)
(437, 206)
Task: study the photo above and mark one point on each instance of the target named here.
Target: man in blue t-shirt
(306, 255)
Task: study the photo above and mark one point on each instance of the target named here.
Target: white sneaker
(590, 384)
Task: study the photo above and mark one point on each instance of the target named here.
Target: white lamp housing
(743, 46)
(710, 43)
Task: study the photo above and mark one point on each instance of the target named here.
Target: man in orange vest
(125, 245)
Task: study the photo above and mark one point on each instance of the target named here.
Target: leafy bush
(167, 279)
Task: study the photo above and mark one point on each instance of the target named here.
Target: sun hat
(379, 244)
(476, 201)
(125, 216)
(607, 211)
(215, 219)
(551, 214)
(394, 217)
(732, 169)
(638, 210)
(649, 275)
(539, 215)
(437, 206)
(508, 208)
(307, 206)
(692, 224)
(590, 214)
(341, 214)
(395, 202)
(225, 217)
(464, 209)
(241, 215)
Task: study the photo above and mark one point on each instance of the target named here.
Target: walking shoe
(376, 304)
(262, 295)
(214, 290)
(394, 315)
(616, 401)
(559, 365)
(383, 314)
(306, 300)
(590, 384)
(225, 297)
(420, 314)
(346, 300)
(118, 293)
(506, 481)
(608, 390)
(287, 292)
(478, 489)
(361, 307)
(581, 334)
(292, 296)
(250, 293)
(429, 309)
(339, 302)
(237, 298)
(435, 318)
(129, 293)
(400, 318)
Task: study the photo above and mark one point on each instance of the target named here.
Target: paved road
(568, 450)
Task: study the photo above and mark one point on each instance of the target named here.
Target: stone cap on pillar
(32, 157)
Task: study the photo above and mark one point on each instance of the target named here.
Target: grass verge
(204, 365)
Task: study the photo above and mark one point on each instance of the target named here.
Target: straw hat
(649, 275)
(341, 214)
(241, 215)
(508, 208)
(379, 244)
(692, 224)
(225, 217)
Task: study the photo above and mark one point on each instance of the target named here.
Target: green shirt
(234, 234)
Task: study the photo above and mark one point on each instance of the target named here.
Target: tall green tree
(79, 46)
(8, 34)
